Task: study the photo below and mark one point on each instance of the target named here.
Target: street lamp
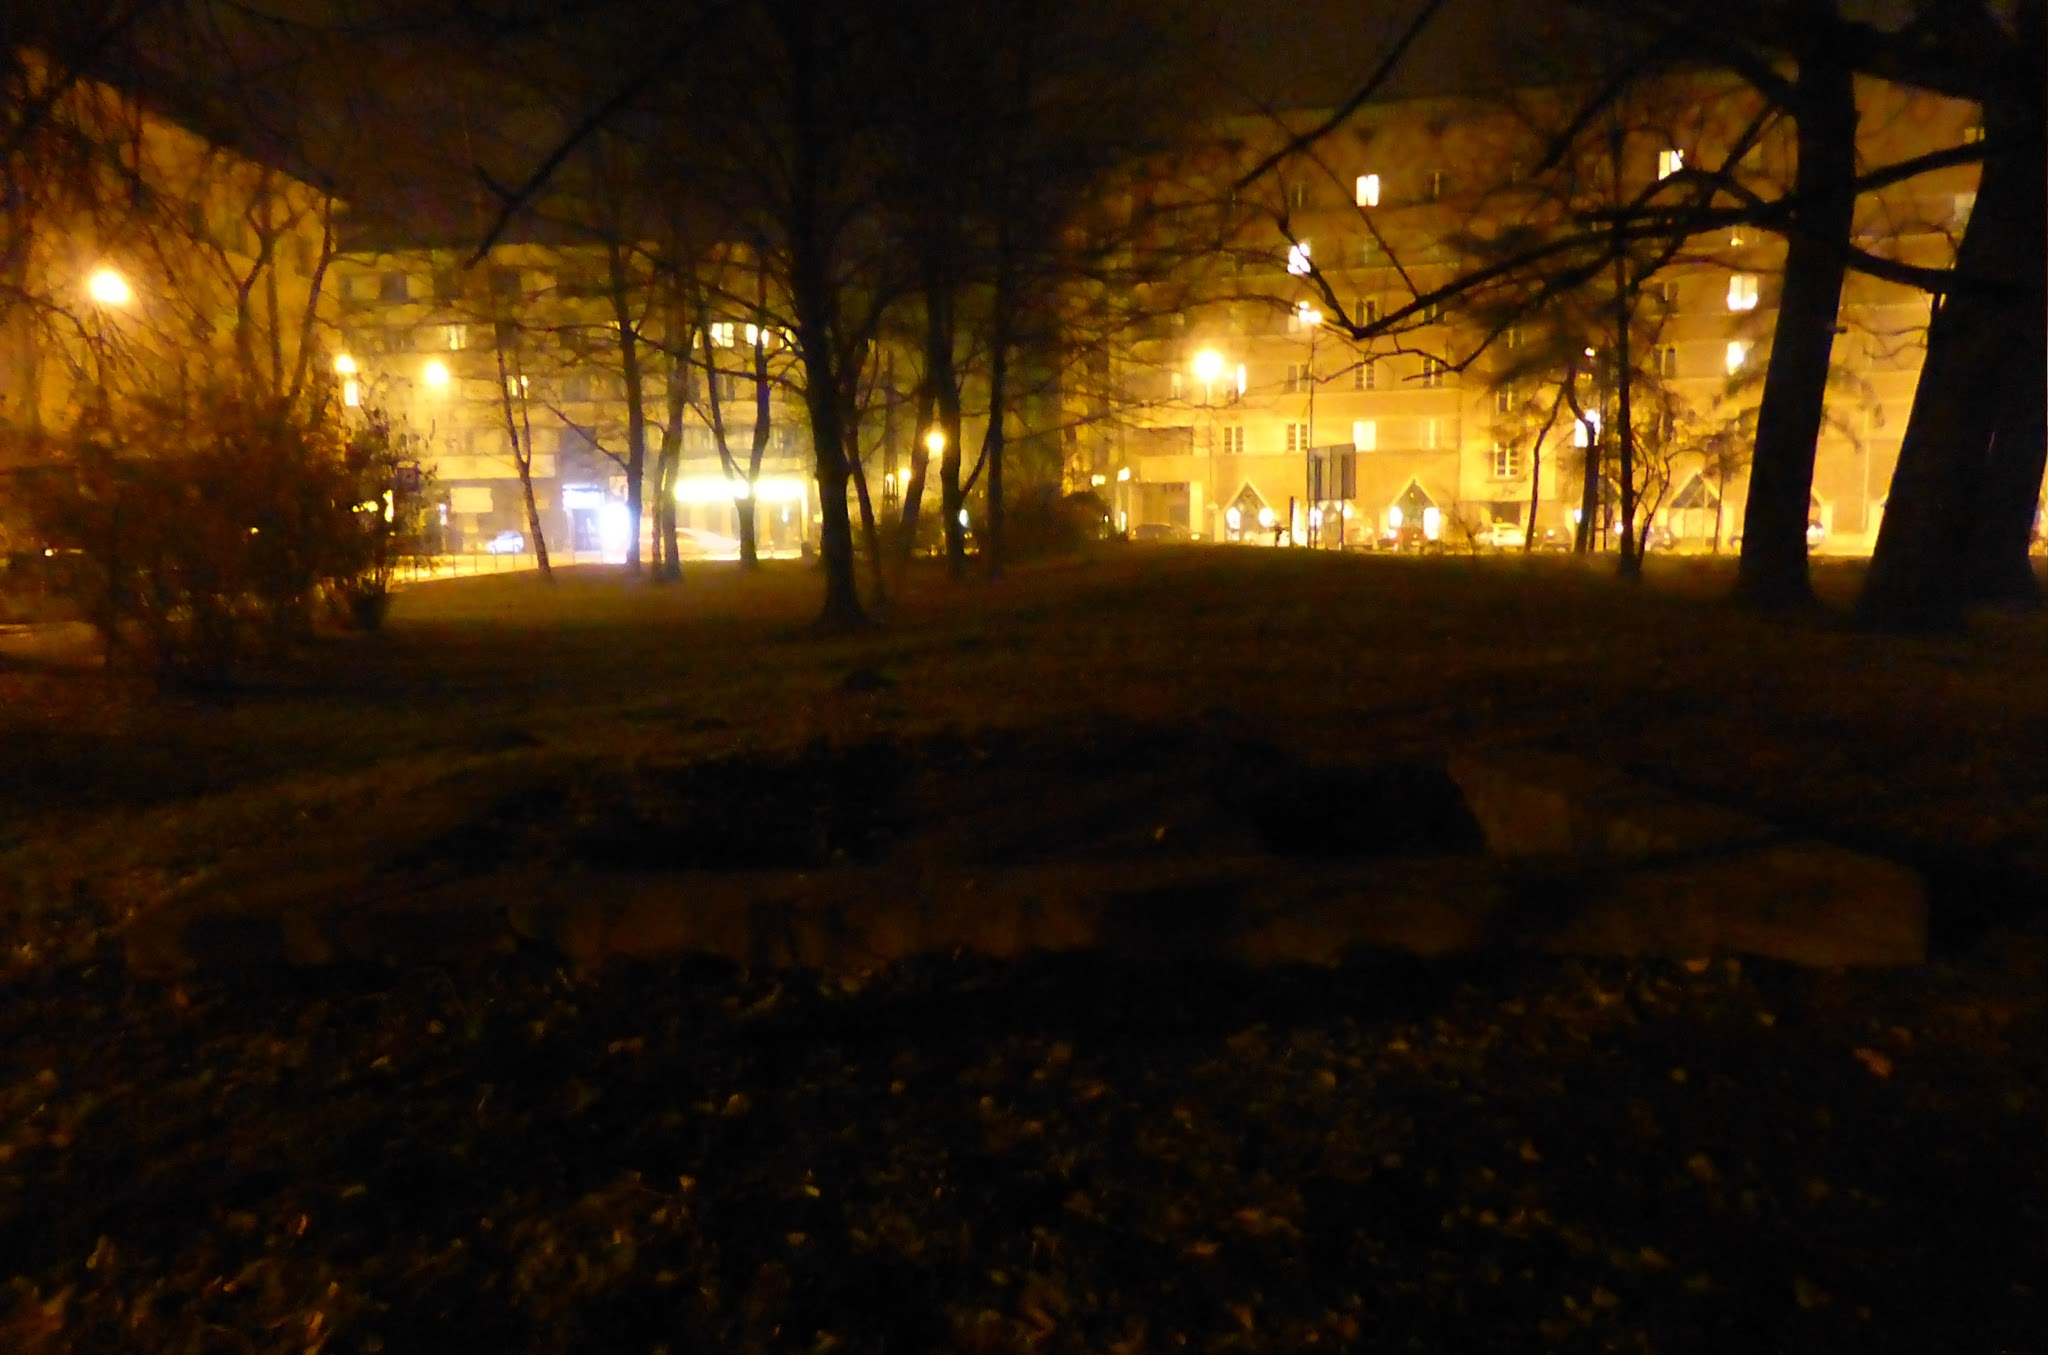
(108, 288)
(1208, 367)
(436, 373)
(935, 443)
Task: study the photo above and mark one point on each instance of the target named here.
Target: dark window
(391, 286)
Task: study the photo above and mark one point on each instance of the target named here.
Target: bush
(204, 532)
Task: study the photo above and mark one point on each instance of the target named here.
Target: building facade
(1252, 414)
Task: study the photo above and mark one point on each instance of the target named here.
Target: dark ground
(1502, 1153)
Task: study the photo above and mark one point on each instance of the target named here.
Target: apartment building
(517, 356)
(151, 256)
(1250, 415)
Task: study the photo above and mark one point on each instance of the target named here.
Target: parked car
(1410, 537)
(1159, 531)
(694, 543)
(1504, 536)
(506, 543)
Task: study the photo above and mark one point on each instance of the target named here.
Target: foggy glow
(718, 489)
(109, 288)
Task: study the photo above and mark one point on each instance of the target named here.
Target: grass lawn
(1510, 1152)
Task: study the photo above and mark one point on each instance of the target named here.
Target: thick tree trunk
(1920, 573)
(1773, 568)
(2008, 499)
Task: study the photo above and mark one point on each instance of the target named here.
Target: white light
(753, 335)
(1432, 521)
(1307, 316)
(1669, 163)
(1368, 190)
(390, 505)
(1123, 475)
(963, 517)
(935, 442)
(1589, 352)
(718, 489)
(1742, 292)
(344, 365)
(352, 394)
(1240, 378)
(890, 479)
(1266, 518)
(109, 288)
(1315, 517)
(1578, 516)
(1297, 258)
(1347, 512)
(436, 373)
(1365, 435)
(1232, 518)
(1738, 354)
(1098, 480)
(614, 530)
(1394, 516)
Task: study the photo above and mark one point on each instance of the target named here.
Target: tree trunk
(750, 550)
(1631, 564)
(519, 429)
(1773, 571)
(920, 466)
(636, 405)
(2009, 495)
(1920, 573)
(946, 396)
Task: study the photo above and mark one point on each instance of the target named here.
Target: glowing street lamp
(1208, 367)
(436, 373)
(109, 288)
(935, 443)
(344, 365)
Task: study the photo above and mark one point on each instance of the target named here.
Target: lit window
(1368, 190)
(1738, 354)
(1433, 313)
(1504, 400)
(1367, 311)
(1667, 360)
(458, 337)
(1436, 185)
(1297, 258)
(1365, 435)
(1669, 162)
(1297, 437)
(1735, 238)
(1432, 373)
(1973, 134)
(1586, 428)
(1365, 376)
(1173, 385)
(1964, 204)
(1431, 432)
(1507, 461)
(723, 334)
(1233, 440)
(352, 394)
(1240, 378)
(1297, 377)
(1742, 292)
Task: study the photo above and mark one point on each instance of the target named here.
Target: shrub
(204, 531)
